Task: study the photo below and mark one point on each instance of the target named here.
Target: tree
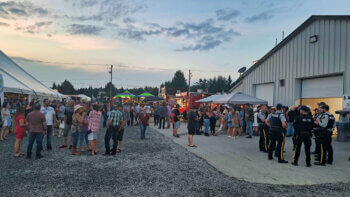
(66, 88)
(54, 86)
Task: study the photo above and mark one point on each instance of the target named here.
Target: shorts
(92, 136)
(20, 134)
(191, 131)
(177, 125)
(67, 128)
(229, 125)
(7, 123)
(120, 135)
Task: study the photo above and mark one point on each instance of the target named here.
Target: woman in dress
(94, 127)
(20, 130)
(235, 122)
(6, 118)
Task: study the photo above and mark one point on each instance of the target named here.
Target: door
(324, 87)
(265, 92)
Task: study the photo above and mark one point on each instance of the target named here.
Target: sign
(346, 102)
(1, 89)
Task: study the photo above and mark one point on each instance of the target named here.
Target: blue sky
(147, 40)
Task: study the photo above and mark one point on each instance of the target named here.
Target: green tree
(66, 88)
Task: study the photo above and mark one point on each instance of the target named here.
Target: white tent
(238, 98)
(209, 99)
(17, 80)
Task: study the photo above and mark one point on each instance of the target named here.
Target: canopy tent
(125, 94)
(209, 99)
(238, 98)
(145, 94)
(12, 85)
(19, 75)
(153, 99)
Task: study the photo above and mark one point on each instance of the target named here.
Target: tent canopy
(153, 99)
(125, 94)
(146, 94)
(22, 77)
(238, 98)
(209, 99)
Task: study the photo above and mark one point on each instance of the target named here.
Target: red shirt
(144, 119)
(18, 126)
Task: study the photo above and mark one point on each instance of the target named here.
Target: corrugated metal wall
(301, 59)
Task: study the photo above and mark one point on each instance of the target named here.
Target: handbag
(61, 125)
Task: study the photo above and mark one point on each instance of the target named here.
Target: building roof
(287, 39)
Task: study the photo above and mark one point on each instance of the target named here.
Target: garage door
(325, 87)
(265, 92)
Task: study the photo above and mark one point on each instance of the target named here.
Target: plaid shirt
(94, 121)
(115, 116)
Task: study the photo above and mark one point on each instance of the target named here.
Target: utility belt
(326, 132)
(276, 129)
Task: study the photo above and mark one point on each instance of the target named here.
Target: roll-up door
(265, 92)
(325, 87)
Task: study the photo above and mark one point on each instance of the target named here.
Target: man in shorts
(191, 126)
(177, 122)
(68, 114)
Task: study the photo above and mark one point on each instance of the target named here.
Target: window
(282, 82)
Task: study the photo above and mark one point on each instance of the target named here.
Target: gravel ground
(152, 167)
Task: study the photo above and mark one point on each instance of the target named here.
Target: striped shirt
(94, 121)
(115, 116)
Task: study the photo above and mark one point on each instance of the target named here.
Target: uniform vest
(331, 121)
(275, 121)
(306, 124)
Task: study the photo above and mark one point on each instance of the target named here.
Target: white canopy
(209, 99)
(238, 98)
(17, 80)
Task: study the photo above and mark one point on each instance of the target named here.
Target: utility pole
(110, 71)
(189, 88)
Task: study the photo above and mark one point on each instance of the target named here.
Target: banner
(1, 89)
(346, 102)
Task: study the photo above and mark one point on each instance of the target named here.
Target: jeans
(83, 136)
(156, 120)
(111, 133)
(290, 131)
(250, 127)
(75, 136)
(143, 128)
(48, 136)
(162, 122)
(105, 118)
(212, 125)
(206, 125)
(38, 137)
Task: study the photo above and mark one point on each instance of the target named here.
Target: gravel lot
(153, 167)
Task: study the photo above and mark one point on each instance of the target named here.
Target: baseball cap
(326, 107)
(321, 103)
(279, 106)
(304, 108)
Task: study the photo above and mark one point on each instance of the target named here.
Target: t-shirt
(176, 113)
(291, 116)
(61, 114)
(144, 119)
(69, 115)
(250, 114)
(35, 120)
(49, 112)
(18, 127)
(192, 120)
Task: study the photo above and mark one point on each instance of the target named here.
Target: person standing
(83, 136)
(235, 119)
(6, 118)
(191, 125)
(249, 115)
(51, 120)
(137, 112)
(94, 127)
(115, 120)
(303, 131)
(156, 114)
(206, 121)
(132, 114)
(37, 127)
(326, 122)
(177, 122)
(60, 116)
(20, 130)
(263, 129)
(291, 115)
(162, 115)
(168, 117)
(77, 122)
(120, 133)
(143, 120)
(212, 119)
(276, 121)
(317, 131)
(67, 119)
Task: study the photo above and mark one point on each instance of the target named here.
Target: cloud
(264, 16)
(14, 9)
(197, 36)
(75, 42)
(36, 28)
(226, 14)
(4, 24)
(75, 29)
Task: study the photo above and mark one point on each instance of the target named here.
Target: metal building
(310, 65)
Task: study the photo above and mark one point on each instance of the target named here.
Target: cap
(304, 108)
(326, 107)
(321, 103)
(279, 106)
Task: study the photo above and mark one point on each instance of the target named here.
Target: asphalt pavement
(153, 167)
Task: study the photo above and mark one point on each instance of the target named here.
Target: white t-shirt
(49, 112)
(255, 119)
(148, 109)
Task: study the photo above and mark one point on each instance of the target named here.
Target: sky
(147, 41)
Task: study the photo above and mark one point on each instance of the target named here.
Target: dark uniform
(303, 126)
(326, 132)
(316, 131)
(263, 130)
(276, 134)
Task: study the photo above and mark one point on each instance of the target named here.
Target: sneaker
(229, 136)
(283, 161)
(206, 134)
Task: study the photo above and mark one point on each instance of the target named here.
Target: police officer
(326, 123)
(277, 121)
(303, 126)
(263, 129)
(316, 130)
